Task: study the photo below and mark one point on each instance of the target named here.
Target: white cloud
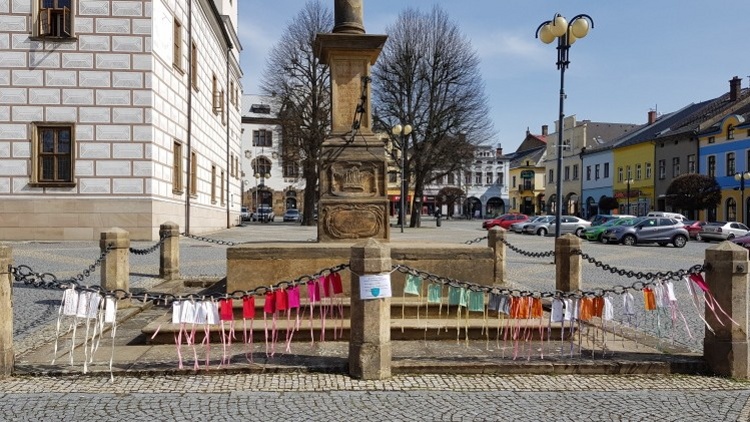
(510, 48)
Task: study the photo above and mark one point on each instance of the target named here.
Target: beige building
(577, 136)
(118, 114)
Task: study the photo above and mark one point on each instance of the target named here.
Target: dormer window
(730, 132)
(55, 19)
(260, 108)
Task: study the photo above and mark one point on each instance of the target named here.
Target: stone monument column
(348, 14)
(353, 186)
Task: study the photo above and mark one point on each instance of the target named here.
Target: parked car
(722, 230)
(245, 214)
(504, 220)
(603, 218)
(517, 227)
(673, 215)
(292, 215)
(660, 230)
(264, 213)
(595, 232)
(568, 224)
(743, 241)
(693, 227)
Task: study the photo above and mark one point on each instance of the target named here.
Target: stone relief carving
(348, 221)
(354, 180)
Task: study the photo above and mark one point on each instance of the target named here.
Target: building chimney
(735, 85)
(499, 150)
(651, 117)
(545, 130)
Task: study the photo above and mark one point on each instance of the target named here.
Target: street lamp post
(566, 34)
(627, 194)
(741, 177)
(403, 132)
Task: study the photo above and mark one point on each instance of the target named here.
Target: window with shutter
(55, 18)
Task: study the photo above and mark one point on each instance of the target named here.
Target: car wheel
(542, 232)
(679, 241)
(731, 236)
(698, 237)
(579, 232)
(603, 239)
(629, 240)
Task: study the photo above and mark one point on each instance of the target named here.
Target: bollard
(116, 265)
(370, 336)
(169, 253)
(567, 264)
(496, 241)
(726, 350)
(7, 359)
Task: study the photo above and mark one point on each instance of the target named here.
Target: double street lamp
(566, 33)
(402, 132)
(741, 177)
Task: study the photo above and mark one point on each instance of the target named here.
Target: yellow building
(526, 175)
(633, 184)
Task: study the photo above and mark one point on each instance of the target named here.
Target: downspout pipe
(228, 177)
(189, 119)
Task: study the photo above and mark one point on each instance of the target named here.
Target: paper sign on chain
(375, 286)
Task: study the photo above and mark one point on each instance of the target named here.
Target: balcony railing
(526, 187)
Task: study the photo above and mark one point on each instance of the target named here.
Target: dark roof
(663, 124)
(533, 155)
(709, 109)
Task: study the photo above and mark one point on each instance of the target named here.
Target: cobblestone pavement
(325, 397)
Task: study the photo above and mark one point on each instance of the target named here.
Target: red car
(504, 221)
(693, 227)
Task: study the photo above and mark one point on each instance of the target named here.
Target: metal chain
(49, 281)
(577, 294)
(215, 241)
(527, 253)
(147, 251)
(477, 240)
(28, 276)
(640, 275)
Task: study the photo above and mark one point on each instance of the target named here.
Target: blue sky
(640, 55)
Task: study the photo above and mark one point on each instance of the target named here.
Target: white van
(677, 216)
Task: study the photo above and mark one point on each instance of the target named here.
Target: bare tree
(428, 76)
(300, 83)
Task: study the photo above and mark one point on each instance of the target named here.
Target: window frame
(36, 24)
(267, 138)
(194, 66)
(193, 174)
(177, 45)
(177, 169)
(35, 178)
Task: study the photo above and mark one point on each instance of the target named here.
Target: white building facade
(118, 114)
(484, 185)
(269, 179)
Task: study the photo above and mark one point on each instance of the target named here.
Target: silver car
(568, 224)
(722, 230)
(518, 227)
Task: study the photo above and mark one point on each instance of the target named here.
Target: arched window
(261, 166)
(731, 209)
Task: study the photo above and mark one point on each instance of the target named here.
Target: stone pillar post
(7, 359)
(726, 351)
(116, 265)
(169, 253)
(370, 338)
(496, 241)
(567, 264)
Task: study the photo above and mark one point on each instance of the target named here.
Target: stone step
(471, 328)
